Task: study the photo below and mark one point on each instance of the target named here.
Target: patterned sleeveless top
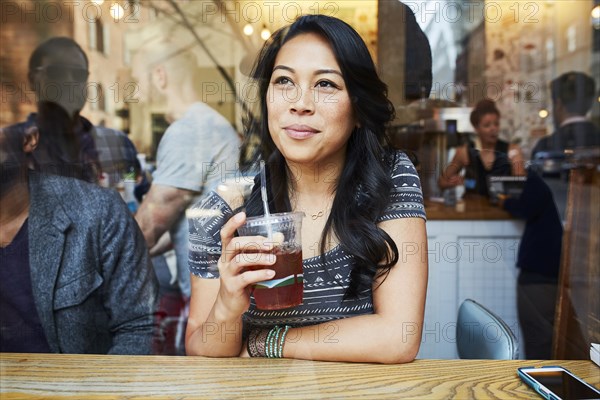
(324, 285)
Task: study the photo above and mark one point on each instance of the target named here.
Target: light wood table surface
(25, 376)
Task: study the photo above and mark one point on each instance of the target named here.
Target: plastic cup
(286, 288)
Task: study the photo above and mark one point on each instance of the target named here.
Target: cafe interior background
(508, 51)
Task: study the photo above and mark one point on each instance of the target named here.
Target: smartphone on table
(557, 383)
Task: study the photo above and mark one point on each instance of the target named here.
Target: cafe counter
(472, 249)
(470, 208)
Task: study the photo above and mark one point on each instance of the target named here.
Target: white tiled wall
(468, 259)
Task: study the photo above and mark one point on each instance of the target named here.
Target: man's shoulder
(70, 189)
(201, 116)
(80, 202)
(542, 144)
(587, 128)
(200, 109)
(116, 152)
(109, 132)
(110, 135)
(576, 134)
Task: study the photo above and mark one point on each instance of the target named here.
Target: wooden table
(138, 377)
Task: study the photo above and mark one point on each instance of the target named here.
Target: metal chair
(481, 334)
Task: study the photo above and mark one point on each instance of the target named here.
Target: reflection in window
(549, 50)
(101, 100)
(106, 40)
(92, 34)
(99, 36)
(571, 38)
(95, 96)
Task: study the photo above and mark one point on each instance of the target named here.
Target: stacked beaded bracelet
(267, 343)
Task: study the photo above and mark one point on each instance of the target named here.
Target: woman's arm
(517, 161)
(393, 333)
(450, 177)
(215, 322)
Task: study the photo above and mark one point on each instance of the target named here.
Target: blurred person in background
(572, 97)
(538, 260)
(75, 275)
(487, 156)
(575, 136)
(198, 150)
(69, 144)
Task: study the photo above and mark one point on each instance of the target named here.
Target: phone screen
(563, 385)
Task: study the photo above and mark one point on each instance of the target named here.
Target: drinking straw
(263, 192)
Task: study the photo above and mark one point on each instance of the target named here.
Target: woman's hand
(501, 199)
(455, 181)
(240, 268)
(451, 175)
(517, 161)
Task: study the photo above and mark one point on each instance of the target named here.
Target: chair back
(481, 334)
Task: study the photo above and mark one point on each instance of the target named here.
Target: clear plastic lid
(275, 219)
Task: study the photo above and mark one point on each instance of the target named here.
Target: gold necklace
(317, 215)
(320, 213)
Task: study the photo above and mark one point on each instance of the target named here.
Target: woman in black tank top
(488, 156)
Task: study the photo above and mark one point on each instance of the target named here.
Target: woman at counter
(322, 132)
(487, 156)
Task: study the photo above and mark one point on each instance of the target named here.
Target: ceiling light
(116, 11)
(248, 30)
(265, 33)
(596, 17)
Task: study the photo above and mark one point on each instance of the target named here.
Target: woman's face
(309, 109)
(488, 128)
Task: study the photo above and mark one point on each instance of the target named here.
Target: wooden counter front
(60, 376)
(476, 208)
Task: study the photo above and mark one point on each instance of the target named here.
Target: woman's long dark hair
(363, 187)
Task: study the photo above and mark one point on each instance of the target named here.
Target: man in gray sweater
(74, 276)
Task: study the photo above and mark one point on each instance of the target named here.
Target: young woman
(488, 156)
(322, 133)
